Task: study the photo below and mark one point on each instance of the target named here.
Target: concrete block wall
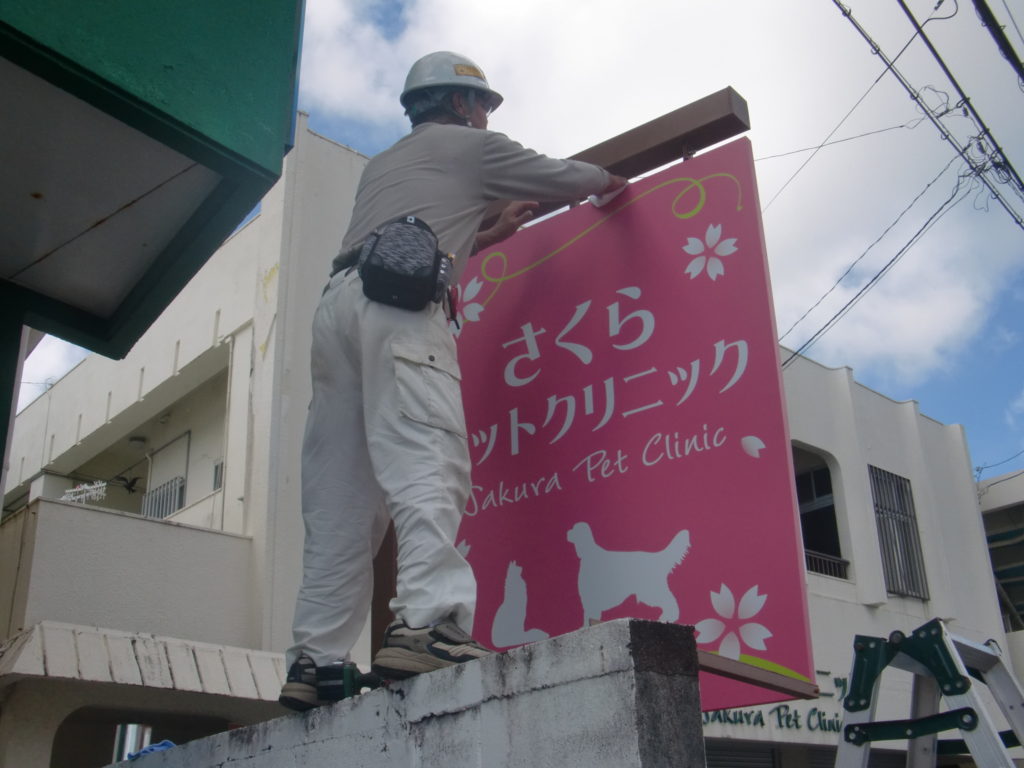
(621, 694)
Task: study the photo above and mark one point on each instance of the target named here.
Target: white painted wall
(1002, 491)
(191, 439)
(314, 199)
(39, 706)
(101, 401)
(226, 370)
(15, 538)
(108, 569)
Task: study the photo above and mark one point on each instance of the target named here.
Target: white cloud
(348, 67)
(933, 303)
(46, 364)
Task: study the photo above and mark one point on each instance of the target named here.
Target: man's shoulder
(435, 135)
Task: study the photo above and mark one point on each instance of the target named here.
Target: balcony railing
(164, 500)
(827, 565)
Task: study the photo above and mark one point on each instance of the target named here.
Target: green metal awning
(136, 135)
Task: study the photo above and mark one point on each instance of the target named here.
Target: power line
(945, 134)
(988, 20)
(912, 124)
(1013, 20)
(944, 208)
(998, 463)
(964, 99)
(868, 249)
(818, 148)
(825, 141)
(1002, 480)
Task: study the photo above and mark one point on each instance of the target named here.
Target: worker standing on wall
(386, 436)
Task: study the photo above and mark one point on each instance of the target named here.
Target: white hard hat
(447, 69)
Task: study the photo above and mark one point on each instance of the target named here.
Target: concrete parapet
(619, 694)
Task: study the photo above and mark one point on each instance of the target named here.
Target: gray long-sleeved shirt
(448, 175)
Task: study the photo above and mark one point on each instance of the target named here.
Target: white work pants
(385, 435)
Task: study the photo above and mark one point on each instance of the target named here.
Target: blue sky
(944, 327)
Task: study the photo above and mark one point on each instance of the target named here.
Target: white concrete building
(169, 600)
(1002, 503)
(160, 601)
(893, 537)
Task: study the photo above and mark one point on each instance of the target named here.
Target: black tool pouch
(400, 265)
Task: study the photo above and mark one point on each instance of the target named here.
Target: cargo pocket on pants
(428, 387)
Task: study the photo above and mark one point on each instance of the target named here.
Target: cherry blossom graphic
(752, 446)
(713, 242)
(734, 621)
(468, 310)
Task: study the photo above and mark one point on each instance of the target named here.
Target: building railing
(164, 500)
(826, 565)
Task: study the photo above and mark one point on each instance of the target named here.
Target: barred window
(898, 537)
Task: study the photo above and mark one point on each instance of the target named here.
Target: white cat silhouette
(609, 578)
(509, 626)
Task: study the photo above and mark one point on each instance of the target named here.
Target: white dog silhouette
(509, 627)
(609, 578)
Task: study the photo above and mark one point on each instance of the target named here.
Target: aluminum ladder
(943, 666)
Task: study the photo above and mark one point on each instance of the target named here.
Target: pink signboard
(627, 432)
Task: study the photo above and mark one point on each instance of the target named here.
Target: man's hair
(433, 105)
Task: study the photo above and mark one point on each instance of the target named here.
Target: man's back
(447, 175)
(432, 173)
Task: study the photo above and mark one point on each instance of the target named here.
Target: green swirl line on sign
(691, 184)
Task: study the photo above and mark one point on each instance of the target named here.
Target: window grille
(902, 561)
(164, 500)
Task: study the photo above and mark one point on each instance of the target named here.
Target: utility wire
(998, 463)
(1013, 21)
(1004, 162)
(945, 134)
(1002, 480)
(868, 249)
(988, 20)
(825, 141)
(910, 124)
(943, 208)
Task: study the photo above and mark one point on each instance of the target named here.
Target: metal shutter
(726, 754)
(825, 757)
(821, 757)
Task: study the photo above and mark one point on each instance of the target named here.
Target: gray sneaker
(300, 690)
(407, 651)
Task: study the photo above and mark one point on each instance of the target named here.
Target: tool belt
(400, 264)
